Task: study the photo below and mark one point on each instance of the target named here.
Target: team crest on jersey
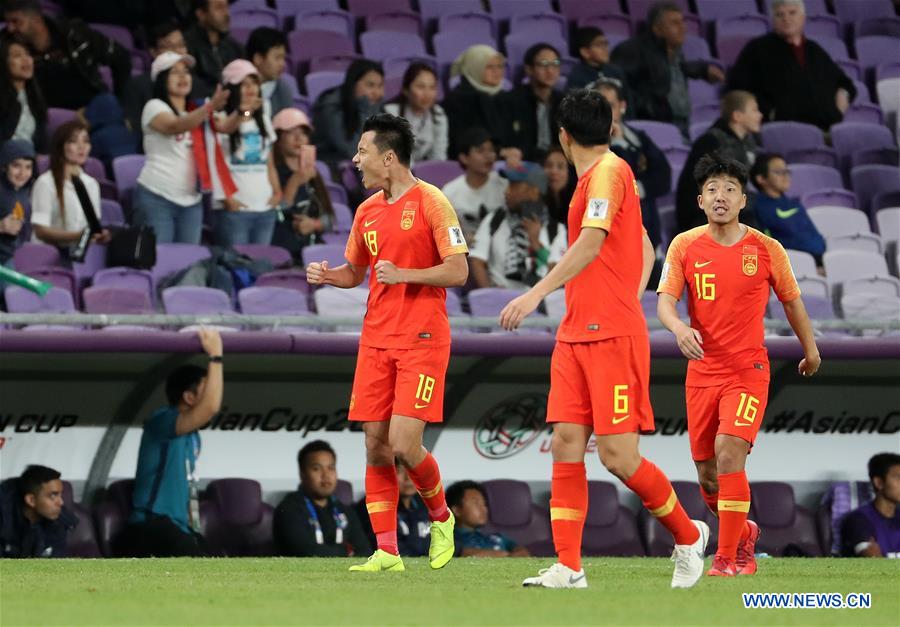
(408, 215)
(750, 261)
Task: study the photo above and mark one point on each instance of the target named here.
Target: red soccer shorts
(604, 384)
(404, 382)
(735, 407)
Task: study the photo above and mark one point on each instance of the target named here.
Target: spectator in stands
(165, 520)
(57, 214)
(209, 43)
(20, 95)
(339, 113)
(656, 71)
(307, 211)
(561, 182)
(413, 521)
(164, 37)
(34, 521)
(166, 196)
(68, 55)
(792, 77)
(16, 176)
(312, 522)
(873, 530)
(514, 246)
(417, 103)
(247, 216)
(267, 49)
(781, 216)
(649, 164)
(531, 107)
(733, 136)
(469, 504)
(593, 48)
(479, 190)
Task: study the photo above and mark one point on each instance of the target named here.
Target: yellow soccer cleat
(378, 562)
(442, 546)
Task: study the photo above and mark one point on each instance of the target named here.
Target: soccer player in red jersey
(408, 236)
(728, 269)
(600, 371)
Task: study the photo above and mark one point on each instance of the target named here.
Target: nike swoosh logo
(368, 223)
(697, 264)
(421, 406)
(574, 580)
(784, 214)
(616, 421)
(738, 423)
(727, 506)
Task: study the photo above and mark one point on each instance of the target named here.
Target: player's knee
(615, 462)
(728, 461)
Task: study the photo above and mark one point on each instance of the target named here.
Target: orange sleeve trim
(441, 217)
(781, 274)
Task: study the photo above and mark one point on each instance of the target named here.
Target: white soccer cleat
(688, 558)
(560, 576)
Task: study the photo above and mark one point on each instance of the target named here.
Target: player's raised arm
(797, 317)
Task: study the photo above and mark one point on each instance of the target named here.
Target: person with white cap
(248, 215)
(167, 197)
(307, 210)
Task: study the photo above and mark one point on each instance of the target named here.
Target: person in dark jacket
(531, 107)
(209, 43)
(592, 46)
(733, 137)
(21, 100)
(656, 71)
(792, 77)
(33, 519)
(311, 522)
(779, 215)
(650, 166)
(68, 55)
(16, 176)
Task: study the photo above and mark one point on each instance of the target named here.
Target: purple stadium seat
(94, 261)
(747, 24)
(702, 92)
(870, 156)
(539, 25)
(490, 301)
(846, 265)
(864, 113)
(111, 213)
(287, 11)
(63, 278)
(513, 513)
(171, 258)
(833, 221)
(787, 528)
(344, 492)
(820, 155)
(850, 11)
(333, 254)
(111, 516)
(834, 46)
(334, 301)
(694, 47)
(31, 255)
(830, 198)
(785, 136)
(576, 10)
(278, 256)
(873, 286)
(243, 526)
(337, 192)
(119, 34)
(288, 279)
(888, 220)
(435, 9)
(125, 278)
(712, 10)
(611, 24)
(343, 217)
(609, 528)
(57, 300)
(663, 134)
(807, 177)
(454, 304)
(729, 46)
(698, 128)
(658, 540)
(885, 26)
(116, 300)
(438, 173)
(81, 541)
(448, 45)
(480, 23)
(380, 45)
(318, 82)
(326, 20)
(871, 180)
(885, 200)
(851, 68)
(638, 9)
(705, 113)
(401, 22)
(677, 157)
(507, 9)
(518, 43)
(307, 44)
(196, 300)
(57, 117)
(802, 263)
(822, 26)
(367, 8)
(253, 18)
(125, 173)
(819, 306)
(272, 301)
(870, 51)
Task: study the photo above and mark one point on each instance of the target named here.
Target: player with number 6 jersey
(407, 237)
(728, 269)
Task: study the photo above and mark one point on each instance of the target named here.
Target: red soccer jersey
(602, 301)
(728, 290)
(418, 230)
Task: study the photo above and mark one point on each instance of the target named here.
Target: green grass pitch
(282, 591)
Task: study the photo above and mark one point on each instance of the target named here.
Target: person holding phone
(306, 207)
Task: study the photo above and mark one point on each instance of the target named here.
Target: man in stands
(33, 519)
(209, 43)
(532, 106)
(67, 55)
(873, 530)
(165, 520)
(593, 48)
(792, 77)
(312, 522)
(469, 504)
(267, 49)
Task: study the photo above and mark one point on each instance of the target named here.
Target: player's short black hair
(714, 164)
(457, 491)
(535, 50)
(659, 9)
(585, 35)
(586, 116)
(183, 379)
(881, 464)
(316, 446)
(34, 477)
(263, 39)
(761, 165)
(392, 133)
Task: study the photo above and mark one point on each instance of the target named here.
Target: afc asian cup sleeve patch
(456, 237)
(598, 208)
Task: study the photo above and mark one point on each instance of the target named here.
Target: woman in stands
(418, 104)
(57, 215)
(248, 215)
(307, 211)
(166, 197)
(561, 182)
(20, 96)
(339, 113)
